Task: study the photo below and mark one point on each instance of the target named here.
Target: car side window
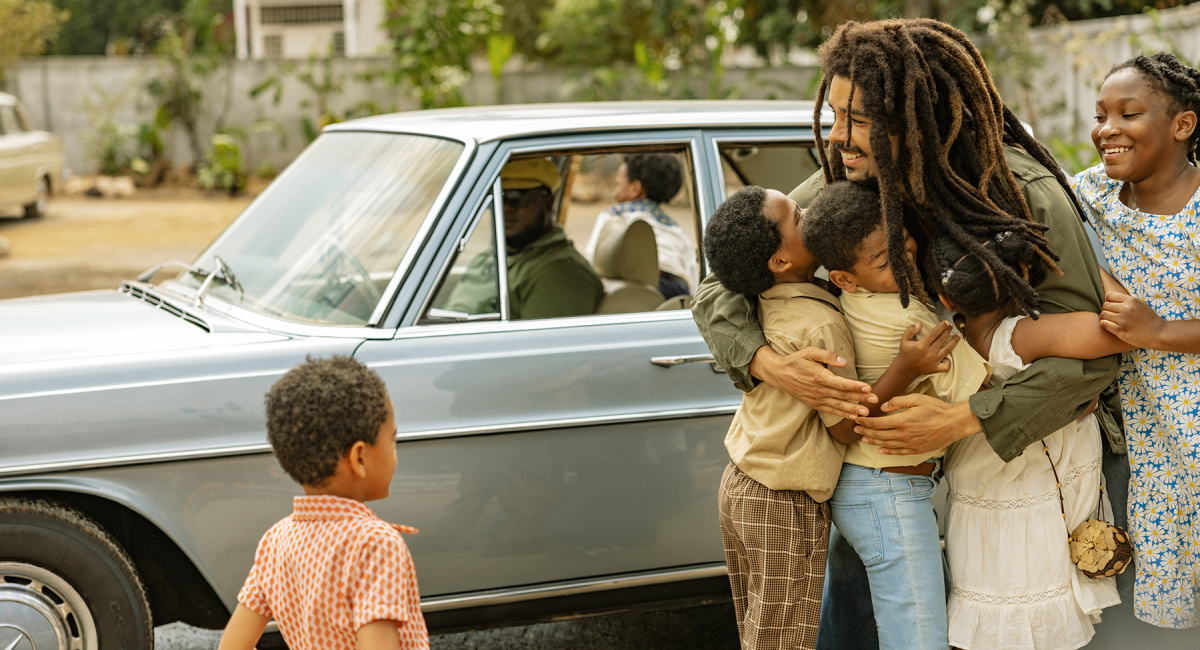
(634, 216)
(8, 121)
(471, 289)
(597, 232)
(772, 165)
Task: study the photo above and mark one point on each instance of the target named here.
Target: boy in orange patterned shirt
(332, 574)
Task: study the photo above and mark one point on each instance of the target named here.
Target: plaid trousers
(776, 543)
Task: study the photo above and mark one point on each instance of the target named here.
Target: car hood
(109, 323)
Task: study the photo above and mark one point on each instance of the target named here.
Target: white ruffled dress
(1012, 582)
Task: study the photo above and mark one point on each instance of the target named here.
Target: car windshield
(321, 244)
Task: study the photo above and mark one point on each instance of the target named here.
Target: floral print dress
(1157, 258)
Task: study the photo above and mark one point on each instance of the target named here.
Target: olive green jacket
(1033, 403)
(546, 279)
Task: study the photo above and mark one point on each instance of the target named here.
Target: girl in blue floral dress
(1144, 199)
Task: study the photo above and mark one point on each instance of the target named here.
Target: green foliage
(190, 52)
(265, 170)
(432, 44)
(25, 28)
(593, 32)
(110, 143)
(223, 168)
(522, 19)
(1073, 156)
(120, 27)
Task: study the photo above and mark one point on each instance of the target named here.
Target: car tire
(65, 583)
(37, 209)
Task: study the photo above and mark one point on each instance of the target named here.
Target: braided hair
(924, 85)
(1178, 82)
(970, 283)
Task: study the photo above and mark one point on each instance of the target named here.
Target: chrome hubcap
(39, 610)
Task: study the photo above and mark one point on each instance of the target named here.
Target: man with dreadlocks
(916, 110)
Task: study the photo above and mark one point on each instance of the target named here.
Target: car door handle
(667, 362)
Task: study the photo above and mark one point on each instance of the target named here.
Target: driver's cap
(530, 173)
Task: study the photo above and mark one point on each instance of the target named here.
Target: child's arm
(1077, 335)
(244, 629)
(1111, 284)
(916, 357)
(1136, 324)
(378, 635)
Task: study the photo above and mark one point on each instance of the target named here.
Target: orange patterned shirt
(331, 567)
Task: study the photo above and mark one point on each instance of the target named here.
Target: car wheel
(64, 582)
(37, 209)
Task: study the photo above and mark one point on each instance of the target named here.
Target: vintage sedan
(31, 161)
(554, 466)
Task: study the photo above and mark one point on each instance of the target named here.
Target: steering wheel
(360, 280)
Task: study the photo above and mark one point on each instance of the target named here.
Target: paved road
(710, 627)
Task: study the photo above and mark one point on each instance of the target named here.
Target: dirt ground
(93, 243)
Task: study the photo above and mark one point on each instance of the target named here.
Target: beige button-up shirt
(776, 439)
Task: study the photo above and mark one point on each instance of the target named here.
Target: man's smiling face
(853, 145)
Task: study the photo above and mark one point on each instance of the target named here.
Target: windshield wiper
(222, 273)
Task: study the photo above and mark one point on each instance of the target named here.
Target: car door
(561, 449)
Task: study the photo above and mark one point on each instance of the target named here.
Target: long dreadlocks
(925, 86)
(1178, 82)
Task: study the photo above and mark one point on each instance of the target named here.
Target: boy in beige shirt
(786, 457)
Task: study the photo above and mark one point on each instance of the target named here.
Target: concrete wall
(73, 95)
(1076, 57)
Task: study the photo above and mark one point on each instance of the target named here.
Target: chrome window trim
(428, 434)
(501, 247)
(566, 322)
(694, 145)
(480, 206)
(571, 588)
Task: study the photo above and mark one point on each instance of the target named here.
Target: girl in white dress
(1012, 581)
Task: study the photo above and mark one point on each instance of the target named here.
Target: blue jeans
(888, 519)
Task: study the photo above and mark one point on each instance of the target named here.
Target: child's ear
(778, 264)
(843, 281)
(358, 459)
(946, 301)
(1185, 125)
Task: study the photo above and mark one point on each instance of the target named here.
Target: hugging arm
(1077, 335)
(1043, 398)
(729, 324)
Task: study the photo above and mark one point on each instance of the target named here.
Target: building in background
(295, 29)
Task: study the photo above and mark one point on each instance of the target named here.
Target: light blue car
(555, 466)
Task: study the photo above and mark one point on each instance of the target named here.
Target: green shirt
(546, 279)
(1030, 405)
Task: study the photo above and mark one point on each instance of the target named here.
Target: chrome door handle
(667, 362)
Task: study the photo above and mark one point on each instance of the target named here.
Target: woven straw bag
(1099, 549)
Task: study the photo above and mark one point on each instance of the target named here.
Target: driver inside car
(547, 276)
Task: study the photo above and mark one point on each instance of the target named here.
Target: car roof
(488, 123)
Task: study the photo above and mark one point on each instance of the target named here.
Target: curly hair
(924, 86)
(837, 222)
(660, 174)
(740, 240)
(964, 278)
(318, 410)
(1178, 82)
